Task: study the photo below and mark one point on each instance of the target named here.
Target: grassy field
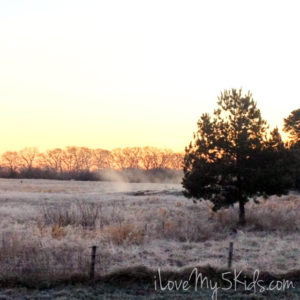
(47, 228)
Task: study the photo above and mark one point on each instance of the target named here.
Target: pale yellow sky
(133, 73)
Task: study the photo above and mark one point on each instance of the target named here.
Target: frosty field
(47, 228)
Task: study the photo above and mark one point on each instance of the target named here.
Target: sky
(107, 74)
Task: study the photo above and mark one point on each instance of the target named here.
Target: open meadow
(47, 228)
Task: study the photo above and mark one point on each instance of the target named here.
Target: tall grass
(80, 213)
(167, 232)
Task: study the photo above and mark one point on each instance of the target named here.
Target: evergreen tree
(231, 159)
(292, 127)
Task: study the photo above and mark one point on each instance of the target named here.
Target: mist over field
(137, 175)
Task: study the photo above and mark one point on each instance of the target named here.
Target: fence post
(93, 257)
(230, 255)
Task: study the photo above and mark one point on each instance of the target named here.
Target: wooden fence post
(230, 255)
(93, 257)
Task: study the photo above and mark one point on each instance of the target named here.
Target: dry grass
(124, 234)
(274, 214)
(48, 235)
(80, 213)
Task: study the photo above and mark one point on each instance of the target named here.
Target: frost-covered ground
(47, 227)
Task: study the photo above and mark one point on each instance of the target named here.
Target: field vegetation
(47, 228)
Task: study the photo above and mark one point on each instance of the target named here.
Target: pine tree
(231, 158)
(292, 127)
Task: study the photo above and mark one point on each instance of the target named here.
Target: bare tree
(102, 159)
(150, 158)
(132, 157)
(11, 160)
(27, 157)
(84, 159)
(176, 161)
(69, 159)
(119, 158)
(52, 159)
(164, 158)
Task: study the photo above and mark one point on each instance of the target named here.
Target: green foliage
(296, 155)
(292, 126)
(232, 159)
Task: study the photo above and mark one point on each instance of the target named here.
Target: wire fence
(87, 265)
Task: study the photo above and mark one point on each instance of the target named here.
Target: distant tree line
(81, 163)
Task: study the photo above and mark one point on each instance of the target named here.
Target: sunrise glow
(107, 74)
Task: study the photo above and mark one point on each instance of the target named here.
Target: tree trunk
(242, 219)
